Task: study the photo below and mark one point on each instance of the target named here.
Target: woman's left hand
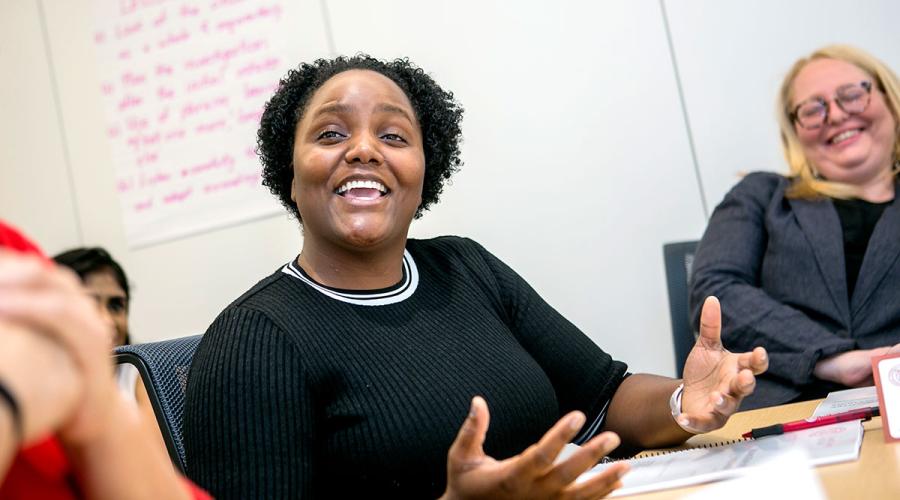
(716, 380)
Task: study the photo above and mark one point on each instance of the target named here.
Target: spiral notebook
(711, 462)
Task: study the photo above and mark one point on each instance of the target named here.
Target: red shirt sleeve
(196, 492)
(11, 238)
(39, 471)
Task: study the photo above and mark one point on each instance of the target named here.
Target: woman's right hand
(851, 368)
(534, 473)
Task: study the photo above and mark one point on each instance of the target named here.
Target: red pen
(799, 425)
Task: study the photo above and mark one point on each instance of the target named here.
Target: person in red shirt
(65, 430)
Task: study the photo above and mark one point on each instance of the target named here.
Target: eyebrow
(339, 109)
(821, 96)
(392, 109)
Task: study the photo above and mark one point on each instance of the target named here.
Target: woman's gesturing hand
(534, 473)
(716, 380)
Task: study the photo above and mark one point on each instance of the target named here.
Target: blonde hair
(806, 183)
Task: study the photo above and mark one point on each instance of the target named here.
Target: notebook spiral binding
(658, 453)
(698, 447)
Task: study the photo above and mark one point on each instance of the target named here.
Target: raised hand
(716, 380)
(534, 473)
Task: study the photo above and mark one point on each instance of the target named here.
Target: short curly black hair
(437, 111)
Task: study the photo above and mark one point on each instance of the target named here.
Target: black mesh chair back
(164, 366)
(679, 258)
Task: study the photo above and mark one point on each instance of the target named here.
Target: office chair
(163, 367)
(679, 259)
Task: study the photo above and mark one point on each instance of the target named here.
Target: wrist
(12, 414)
(96, 418)
(827, 368)
(675, 407)
(7, 428)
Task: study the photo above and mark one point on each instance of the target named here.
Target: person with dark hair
(346, 372)
(106, 281)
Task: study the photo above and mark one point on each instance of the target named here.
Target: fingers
(585, 458)
(68, 318)
(601, 484)
(722, 403)
(51, 302)
(757, 361)
(469, 442)
(28, 271)
(540, 457)
(711, 324)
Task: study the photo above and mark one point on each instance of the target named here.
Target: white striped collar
(383, 297)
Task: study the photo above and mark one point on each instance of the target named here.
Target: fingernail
(720, 401)
(611, 440)
(683, 422)
(472, 408)
(576, 421)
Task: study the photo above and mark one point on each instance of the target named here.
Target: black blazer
(777, 266)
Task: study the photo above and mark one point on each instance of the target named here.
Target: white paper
(184, 84)
(847, 400)
(889, 373)
(822, 445)
(786, 476)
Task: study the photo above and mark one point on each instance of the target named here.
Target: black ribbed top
(294, 393)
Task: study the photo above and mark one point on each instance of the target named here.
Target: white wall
(578, 165)
(732, 57)
(35, 188)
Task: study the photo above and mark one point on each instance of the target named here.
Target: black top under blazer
(777, 267)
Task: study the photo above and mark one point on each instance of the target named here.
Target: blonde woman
(808, 264)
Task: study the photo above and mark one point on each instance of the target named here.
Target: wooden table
(875, 476)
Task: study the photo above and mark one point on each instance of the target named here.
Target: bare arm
(146, 409)
(640, 414)
(126, 460)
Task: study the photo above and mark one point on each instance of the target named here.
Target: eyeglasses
(852, 98)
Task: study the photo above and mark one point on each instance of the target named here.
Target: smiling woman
(806, 265)
(106, 282)
(348, 371)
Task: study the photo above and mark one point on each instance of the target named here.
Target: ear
(293, 191)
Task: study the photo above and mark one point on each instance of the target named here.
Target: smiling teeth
(362, 185)
(844, 136)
